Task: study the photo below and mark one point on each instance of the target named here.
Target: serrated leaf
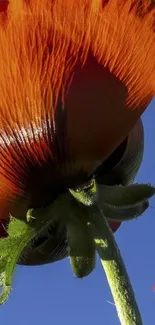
(3, 261)
(5, 294)
(10, 250)
(17, 227)
(2, 275)
(5, 246)
(21, 234)
(12, 247)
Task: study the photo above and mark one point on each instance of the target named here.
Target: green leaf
(5, 294)
(2, 274)
(17, 227)
(20, 236)
(5, 246)
(3, 261)
(10, 251)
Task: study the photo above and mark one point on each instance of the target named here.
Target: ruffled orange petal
(74, 78)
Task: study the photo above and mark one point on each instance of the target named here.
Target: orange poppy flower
(75, 76)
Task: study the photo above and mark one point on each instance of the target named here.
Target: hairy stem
(115, 270)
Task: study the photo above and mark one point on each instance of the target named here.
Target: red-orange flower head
(74, 78)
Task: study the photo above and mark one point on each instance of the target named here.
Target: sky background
(52, 295)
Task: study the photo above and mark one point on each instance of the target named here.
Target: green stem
(115, 270)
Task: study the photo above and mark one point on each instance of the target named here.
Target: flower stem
(115, 270)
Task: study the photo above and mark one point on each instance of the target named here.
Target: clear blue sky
(52, 295)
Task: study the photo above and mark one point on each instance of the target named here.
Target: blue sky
(52, 295)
